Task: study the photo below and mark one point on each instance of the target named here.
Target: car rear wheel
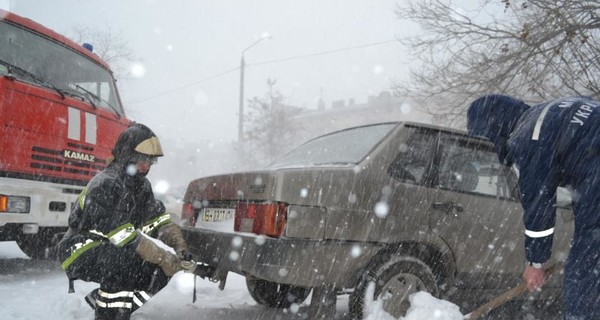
(275, 295)
(390, 280)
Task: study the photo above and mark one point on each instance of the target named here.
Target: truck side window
(414, 158)
(471, 167)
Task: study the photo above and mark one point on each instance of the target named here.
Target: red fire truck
(60, 114)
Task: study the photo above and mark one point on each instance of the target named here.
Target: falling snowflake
(304, 192)
(382, 209)
(356, 251)
(237, 242)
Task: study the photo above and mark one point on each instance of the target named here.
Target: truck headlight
(14, 204)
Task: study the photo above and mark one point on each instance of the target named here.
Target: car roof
(454, 131)
(413, 124)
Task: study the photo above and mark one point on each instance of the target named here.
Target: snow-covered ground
(32, 289)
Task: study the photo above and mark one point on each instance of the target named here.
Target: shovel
(507, 296)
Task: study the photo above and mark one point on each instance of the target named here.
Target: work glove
(152, 252)
(171, 235)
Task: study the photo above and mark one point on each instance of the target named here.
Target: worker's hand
(185, 255)
(187, 261)
(534, 278)
(188, 266)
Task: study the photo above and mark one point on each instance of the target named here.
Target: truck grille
(54, 160)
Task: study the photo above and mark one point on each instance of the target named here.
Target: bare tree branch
(108, 45)
(534, 49)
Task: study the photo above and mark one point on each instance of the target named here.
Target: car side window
(471, 166)
(414, 158)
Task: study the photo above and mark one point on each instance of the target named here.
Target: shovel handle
(507, 296)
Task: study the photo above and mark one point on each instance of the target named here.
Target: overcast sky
(190, 52)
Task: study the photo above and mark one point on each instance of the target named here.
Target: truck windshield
(346, 147)
(38, 60)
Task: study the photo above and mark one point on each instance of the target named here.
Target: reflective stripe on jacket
(119, 237)
(156, 223)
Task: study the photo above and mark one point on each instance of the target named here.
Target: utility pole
(265, 36)
(241, 111)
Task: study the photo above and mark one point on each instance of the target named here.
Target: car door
(388, 199)
(477, 213)
(408, 191)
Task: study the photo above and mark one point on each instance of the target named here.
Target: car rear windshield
(338, 148)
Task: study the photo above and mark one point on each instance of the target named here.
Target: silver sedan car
(378, 211)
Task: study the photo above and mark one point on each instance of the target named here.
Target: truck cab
(60, 114)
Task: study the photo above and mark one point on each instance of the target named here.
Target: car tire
(275, 295)
(390, 280)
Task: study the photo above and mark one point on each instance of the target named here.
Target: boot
(151, 252)
(91, 297)
(112, 314)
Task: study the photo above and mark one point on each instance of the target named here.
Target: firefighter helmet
(136, 143)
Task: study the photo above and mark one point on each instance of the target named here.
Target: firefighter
(553, 144)
(108, 241)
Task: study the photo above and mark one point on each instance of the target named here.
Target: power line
(323, 52)
(185, 86)
(373, 44)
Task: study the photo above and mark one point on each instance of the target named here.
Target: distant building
(382, 108)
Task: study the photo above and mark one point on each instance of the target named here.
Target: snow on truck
(60, 114)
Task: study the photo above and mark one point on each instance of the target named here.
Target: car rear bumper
(299, 262)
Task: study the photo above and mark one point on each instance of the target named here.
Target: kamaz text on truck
(60, 114)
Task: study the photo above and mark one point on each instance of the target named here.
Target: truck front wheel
(275, 295)
(34, 245)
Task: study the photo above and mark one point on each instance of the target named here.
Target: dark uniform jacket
(555, 144)
(106, 221)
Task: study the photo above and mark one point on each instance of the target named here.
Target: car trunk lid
(214, 201)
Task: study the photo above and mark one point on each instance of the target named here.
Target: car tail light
(260, 218)
(188, 216)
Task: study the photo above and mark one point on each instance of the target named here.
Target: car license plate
(217, 214)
